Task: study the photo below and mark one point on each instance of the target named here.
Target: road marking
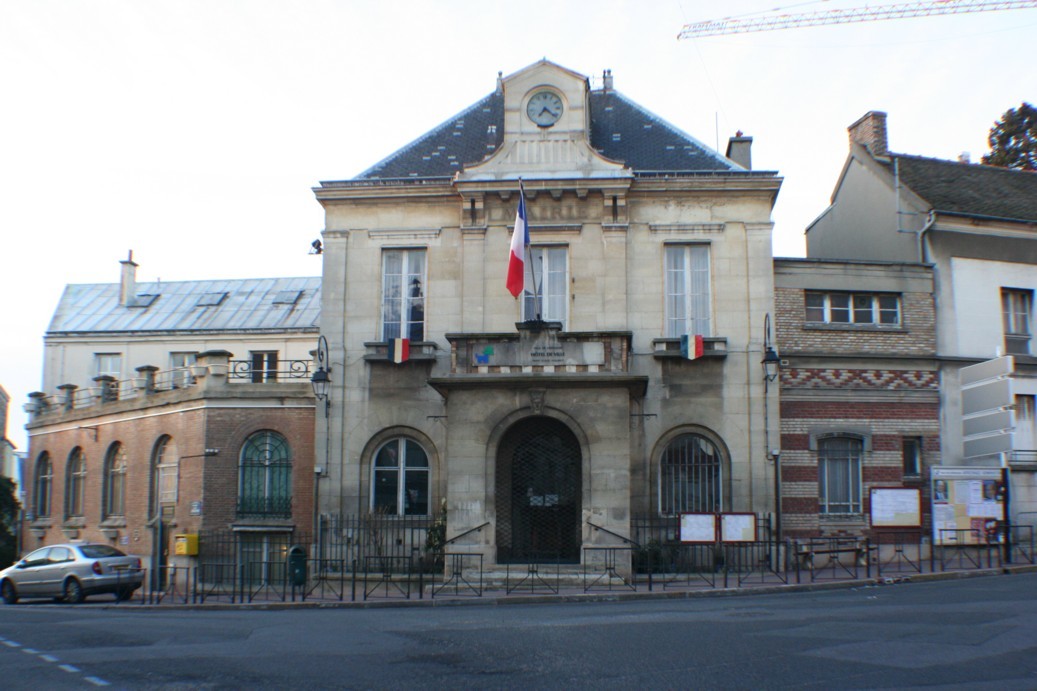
(48, 658)
(69, 668)
(97, 681)
(12, 644)
(30, 651)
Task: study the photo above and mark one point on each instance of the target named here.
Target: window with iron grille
(690, 476)
(1016, 311)
(44, 483)
(400, 479)
(403, 294)
(688, 302)
(75, 483)
(115, 481)
(881, 309)
(166, 471)
(265, 487)
(552, 281)
(839, 474)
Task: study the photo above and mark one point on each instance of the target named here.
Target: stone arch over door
(539, 492)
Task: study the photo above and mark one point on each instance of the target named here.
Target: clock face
(544, 108)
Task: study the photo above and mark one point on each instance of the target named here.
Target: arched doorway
(538, 492)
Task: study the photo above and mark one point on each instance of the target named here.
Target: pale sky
(192, 131)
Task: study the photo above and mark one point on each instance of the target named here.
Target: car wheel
(73, 592)
(8, 593)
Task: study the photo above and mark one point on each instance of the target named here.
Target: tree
(8, 518)
(1013, 139)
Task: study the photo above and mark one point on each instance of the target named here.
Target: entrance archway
(538, 492)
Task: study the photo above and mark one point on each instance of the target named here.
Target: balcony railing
(244, 371)
(265, 507)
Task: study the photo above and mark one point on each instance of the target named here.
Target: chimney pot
(128, 281)
(739, 150)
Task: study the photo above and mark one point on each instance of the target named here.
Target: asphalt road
(978, 633)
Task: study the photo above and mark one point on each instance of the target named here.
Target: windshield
(99, 551)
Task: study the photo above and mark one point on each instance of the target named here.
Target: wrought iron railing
(246, 371)
(272, 507)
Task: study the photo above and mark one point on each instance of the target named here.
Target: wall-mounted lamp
(321, 379)
(771, 362)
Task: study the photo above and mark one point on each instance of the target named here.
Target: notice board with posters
(968, 505)
(896, 507)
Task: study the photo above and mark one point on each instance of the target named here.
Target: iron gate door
(538, 493)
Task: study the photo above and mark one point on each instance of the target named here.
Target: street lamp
(771, 364)
(321, 380)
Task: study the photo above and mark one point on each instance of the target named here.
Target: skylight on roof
(143, 300)
(287, 297)
(210, 299)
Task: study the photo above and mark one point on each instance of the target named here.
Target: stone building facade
(860, 403)
(547, 424)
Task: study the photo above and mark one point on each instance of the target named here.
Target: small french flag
(399, 350)
(691, 346)
(519, 242)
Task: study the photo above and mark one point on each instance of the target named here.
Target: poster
(896, 507)
(968, 504)
(698, 527)
(738, 527)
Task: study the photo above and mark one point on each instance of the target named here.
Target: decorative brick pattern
(860, 379)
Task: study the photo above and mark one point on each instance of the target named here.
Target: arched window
(400, 481)
(690, 476)
(44, 483)
(839, 474)
(115, 481)
(75, 483)
(165, 473)
(265, 487)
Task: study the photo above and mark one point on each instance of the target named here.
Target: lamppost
(321, 381)
(771, 364)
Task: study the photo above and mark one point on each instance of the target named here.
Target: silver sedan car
(70, 573)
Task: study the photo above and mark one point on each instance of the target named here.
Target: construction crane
(775, 22)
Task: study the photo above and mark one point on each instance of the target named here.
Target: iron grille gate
(538, 493)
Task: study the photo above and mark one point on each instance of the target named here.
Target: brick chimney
(740, 150)
(870, 132)
(128, 281)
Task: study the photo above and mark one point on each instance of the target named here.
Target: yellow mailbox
(187, 545)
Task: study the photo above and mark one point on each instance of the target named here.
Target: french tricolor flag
(519, 243)
(399, 350)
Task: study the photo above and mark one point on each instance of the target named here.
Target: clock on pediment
(544, 108)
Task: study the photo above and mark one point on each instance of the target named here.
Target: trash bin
(297, 566)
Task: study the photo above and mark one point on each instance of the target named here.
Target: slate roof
(969, 189)
(620, 130)
(221, 305)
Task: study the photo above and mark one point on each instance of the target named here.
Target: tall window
(180, 368)
(44, 483)
(400, 482)
(690, 476)
(853, 308)
(108, 364)
(266, 476)
(911, 453)
(264, 366)
(403, 294)
(165, 471)
(115, 481)
(687, 291)
(839, 474)
(552, 283)
(1025, 427)
(75, 483)
(1016, 308)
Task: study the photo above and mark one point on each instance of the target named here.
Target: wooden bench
(859, 549)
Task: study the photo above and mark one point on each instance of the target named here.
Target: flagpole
(529, 255)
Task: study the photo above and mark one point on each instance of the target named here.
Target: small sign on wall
(196, 508)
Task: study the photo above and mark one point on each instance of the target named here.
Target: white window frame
(855, 306)
(400, 471)
(180, 368)
(167, 473)
(552, 277)
(1017, 319)
(404, 291)
(108, 364)
(688, 290)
